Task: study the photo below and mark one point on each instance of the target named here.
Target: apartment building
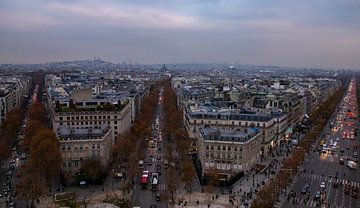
(80, 145)
(271, 123)
(12, 93)
(92, 114)
(228, 152)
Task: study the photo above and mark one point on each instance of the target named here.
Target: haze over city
(286, 33)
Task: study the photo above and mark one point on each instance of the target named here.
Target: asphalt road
(147, 197)
(325, 166)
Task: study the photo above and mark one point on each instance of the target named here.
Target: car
(12, 205)
(317, 195)
(158, 196)
(153, 206)
(323, 185)
(305, 188)
(149, 162)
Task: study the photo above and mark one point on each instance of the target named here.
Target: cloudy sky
(313, 33)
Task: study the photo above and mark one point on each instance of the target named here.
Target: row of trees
(45, 161)
(269, 194)
(9, 131)
(175, 133)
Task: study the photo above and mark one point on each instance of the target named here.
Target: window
(224, 148)
(61, 123)
(90, 117)
(69, 164)
(69, 148)
(76, 164)
(218, 147)
(68, 118)
(98, 146)
(64, 164)
(115, 122)
(104, 117)
(229, 148)
(211, 147)
(115, 117)
(235, 148)
(82, 117)
(93, 146)
(63, 147)
(60, 118)
(115, 127)
(95, 117)
(207, 147)
(240, 149)
(108, 117)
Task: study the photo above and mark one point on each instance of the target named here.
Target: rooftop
(215, 134)
(66, 133)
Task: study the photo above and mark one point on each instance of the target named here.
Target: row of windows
(85, 117)
(88, 123)
(69, 147)
(233, 123)
(223, 156)
(223, 147)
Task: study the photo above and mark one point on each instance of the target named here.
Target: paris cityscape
(208, 104)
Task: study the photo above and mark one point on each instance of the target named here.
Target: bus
(144, 179)
(154, 181)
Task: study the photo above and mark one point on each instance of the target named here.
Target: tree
(45, 154)
(30, 186)
(4, 149)
(12, 125)
(37, 112)
(31, 129)
(188, 172)
(92, 169)
(123, 147)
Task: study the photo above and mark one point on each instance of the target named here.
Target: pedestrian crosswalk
(307, 203)
(160, 187)
(330, 179)
(314, 176)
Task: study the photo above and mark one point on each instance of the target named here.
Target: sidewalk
(205, 200)
(245, 189)
(48, 201)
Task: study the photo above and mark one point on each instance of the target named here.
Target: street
(330, 179)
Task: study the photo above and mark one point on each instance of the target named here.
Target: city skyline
(299, 34)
